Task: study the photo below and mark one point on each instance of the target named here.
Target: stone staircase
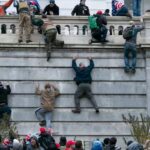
(24, 66)
(117, 93)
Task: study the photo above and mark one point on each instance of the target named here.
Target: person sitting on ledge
(4, 108)
(99, 32)
(120, 8)
(83, 80)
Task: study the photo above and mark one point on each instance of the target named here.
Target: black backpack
(47, 142)
(128, 33)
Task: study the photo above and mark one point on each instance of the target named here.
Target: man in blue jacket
(83, 80)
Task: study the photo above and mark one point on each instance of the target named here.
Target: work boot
(19, 41)
(76, 110)
(42, 123)
(28, 41)
(48, 56)
(126, 70)
(133, 70)
(97, 111)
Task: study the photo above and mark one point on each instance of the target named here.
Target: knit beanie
(52, 1)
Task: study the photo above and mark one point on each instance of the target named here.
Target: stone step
(67, 62)
(78, 129)
(136, 88)
(63, 53)
(67, 101)
(67, 74)
(86, 115)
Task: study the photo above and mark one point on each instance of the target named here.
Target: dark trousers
(122, 11)
(100, 34)
(50, 38)
(4, 109)
(84, 90)
(130, 48)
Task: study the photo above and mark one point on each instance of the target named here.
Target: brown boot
(76, 110)
(42, 123)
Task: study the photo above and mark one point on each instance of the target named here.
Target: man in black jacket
(4, 92)
(83, 80)
(51, 9)
(81, 9)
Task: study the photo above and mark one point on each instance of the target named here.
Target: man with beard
(48, 95)
(81, 9)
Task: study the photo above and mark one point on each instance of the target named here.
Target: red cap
(28, 137)
(57, 145)
(6, 141)
(70, 143)
(42, 130)
(99, 12)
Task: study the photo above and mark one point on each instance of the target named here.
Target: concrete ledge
(67, 101)
(28, 87)
(65, 115)
(79, 129)
(67, 74)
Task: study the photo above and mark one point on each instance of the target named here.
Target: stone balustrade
(73, 30)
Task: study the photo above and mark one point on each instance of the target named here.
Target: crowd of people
(45, 141)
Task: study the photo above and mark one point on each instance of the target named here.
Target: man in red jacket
(4, 7)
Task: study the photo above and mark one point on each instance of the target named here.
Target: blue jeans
(136, 6)
(4, 109)
(42, 114)
(130, 48)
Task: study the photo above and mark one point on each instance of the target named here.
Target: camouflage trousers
(24, 24)
(50, 40)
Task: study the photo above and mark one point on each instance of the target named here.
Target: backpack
(47, 142)
(92, 22)
(37, 21)
(128, 33)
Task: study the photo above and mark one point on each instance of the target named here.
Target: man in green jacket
(83, 80)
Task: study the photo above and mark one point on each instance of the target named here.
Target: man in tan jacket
(48, 95)
(50, 32)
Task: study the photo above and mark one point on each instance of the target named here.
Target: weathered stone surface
(67, 101)
(87, 115)
(79, 129)
(25, 87)
(67, 74)
(67, 62)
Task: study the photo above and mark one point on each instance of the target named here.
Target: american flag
(116, 5)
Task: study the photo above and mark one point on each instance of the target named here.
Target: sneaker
(126, 70)
(76, 110)
(133, 70)
(97, 111)
(28, 41)
(19, 41)
(42, 123)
